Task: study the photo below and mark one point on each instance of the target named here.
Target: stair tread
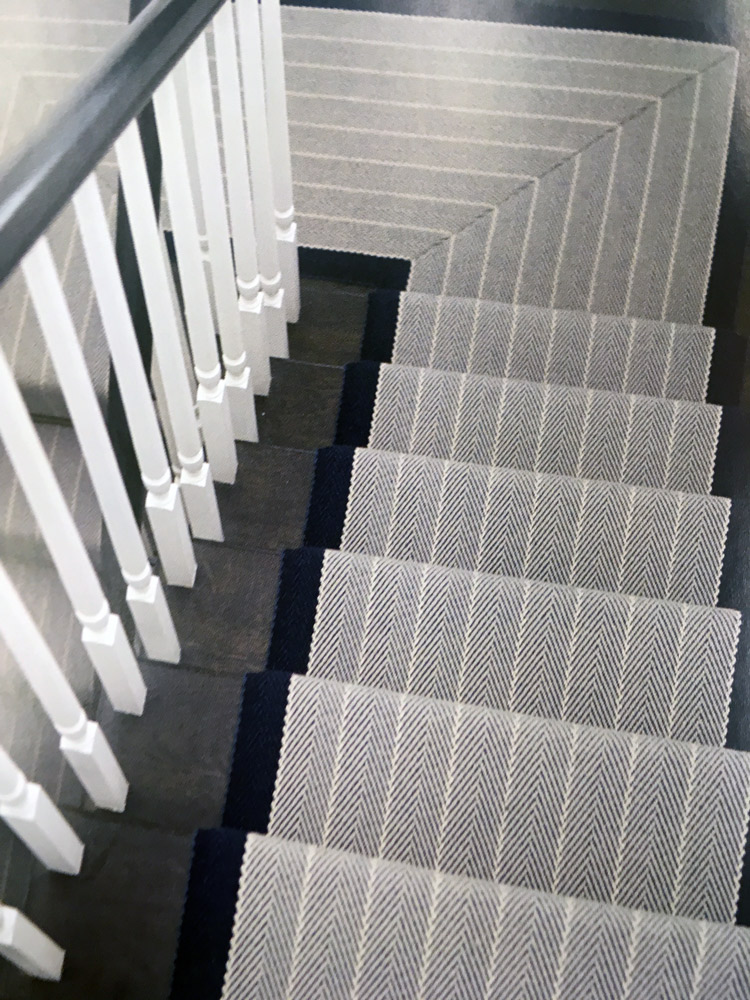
(586, 433)
(612, 353)
(606, 536)
(584, 656)
(636, 820)
(310, 920)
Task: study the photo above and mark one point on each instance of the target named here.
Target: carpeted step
(599, 535)
(564, 431)
(619, 818)
(584, 656)
(296, 921)
(612, 353)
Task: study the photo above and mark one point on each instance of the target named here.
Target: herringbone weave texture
(566, 169)
(618, 818)
(585, 656)
(607, 536)
(546, 428)
(612, 353)
(312, 922)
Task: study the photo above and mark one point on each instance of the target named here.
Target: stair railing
(214, 324)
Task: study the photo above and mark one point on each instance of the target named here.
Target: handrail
(44, 174)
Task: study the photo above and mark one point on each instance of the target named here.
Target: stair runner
(487, 758)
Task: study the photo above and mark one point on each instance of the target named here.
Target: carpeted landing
(489, 755)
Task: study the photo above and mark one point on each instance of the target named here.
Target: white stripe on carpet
(312, 922)
(612, 353)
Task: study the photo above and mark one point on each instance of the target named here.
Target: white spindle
(238, 378)
(35, 819)
(163, 500)
(251, 60)
(103, 635)
(180, 78)
(82, 742)
(196, 481)
(278, 138)
(145, 594)
(213, 402)
(251, 298)
(30, 949)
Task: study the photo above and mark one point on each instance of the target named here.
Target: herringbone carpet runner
(582, 532)
(613, 353)
(586, 656)
(488, 756)
(316, 922)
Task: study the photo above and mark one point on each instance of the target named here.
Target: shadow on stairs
(120, 917)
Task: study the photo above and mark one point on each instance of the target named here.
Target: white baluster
(278, 138)
(145, 594)
(35, 819)
(180, 78)
(238, 379)
(23, 944)
(103, 635)
(196, 481)
(163, 500)
(251, 61)
(213, 402)
(82, 742)
(241, 213)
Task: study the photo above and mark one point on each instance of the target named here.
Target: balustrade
(220, 316)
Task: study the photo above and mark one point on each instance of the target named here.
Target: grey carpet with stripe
(504, 772)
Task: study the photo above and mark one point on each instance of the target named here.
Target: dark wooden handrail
(39, 179)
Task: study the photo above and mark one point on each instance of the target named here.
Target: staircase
(488, 756)
(499, 745)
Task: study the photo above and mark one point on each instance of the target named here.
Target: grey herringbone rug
(567, 169)
(620, 818)
(313, 922)
(613, 353)
(503, 773)
(586, 533)
(585, 656)
(666, 444)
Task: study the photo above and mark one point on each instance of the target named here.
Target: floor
(119, 918)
